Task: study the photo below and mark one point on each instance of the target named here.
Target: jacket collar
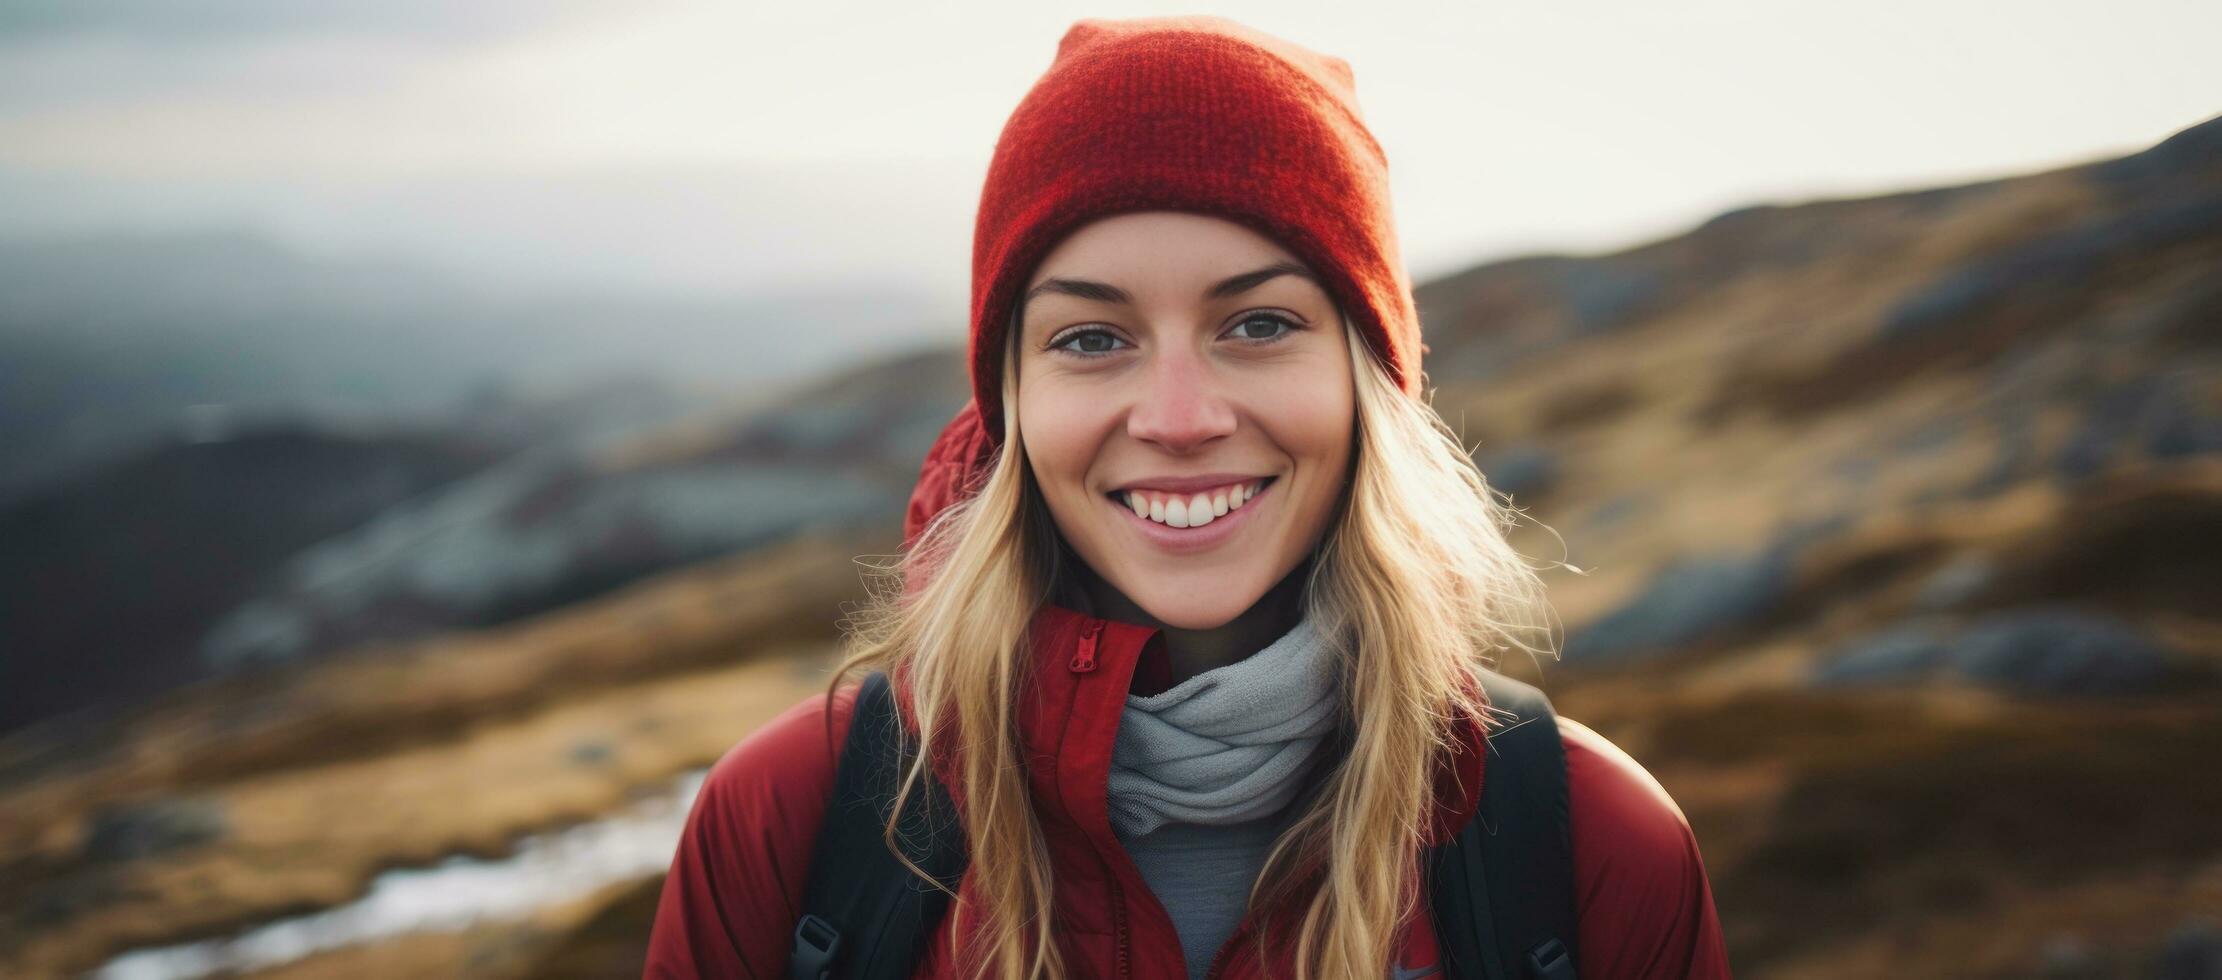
(1081, 669)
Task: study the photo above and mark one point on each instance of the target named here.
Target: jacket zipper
(1084, 658)
(1084, 662)
(1118, 915)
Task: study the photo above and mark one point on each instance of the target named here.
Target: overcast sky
(741, 146)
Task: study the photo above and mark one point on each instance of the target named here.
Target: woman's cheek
(1313, 426)
(1056, 428)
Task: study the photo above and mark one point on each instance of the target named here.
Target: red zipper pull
(1084, 659)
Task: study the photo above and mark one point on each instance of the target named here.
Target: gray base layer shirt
(1202, 873)
(1203, 773)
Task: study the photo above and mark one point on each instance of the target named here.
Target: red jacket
(730, 903)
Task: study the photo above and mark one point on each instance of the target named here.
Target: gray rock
(2047, 264)
(2050, 651)
(1692, 599)
(592, 753)
(1604, 293)
(2059, 651)
(531, 534)
(1909, 651)
(2180, 423)
(1959, 581)
(130, 831)
(1520, 469)
(1684, 602)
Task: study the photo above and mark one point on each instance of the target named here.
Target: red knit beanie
(1197, 114)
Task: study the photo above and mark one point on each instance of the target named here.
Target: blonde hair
(1414, 574)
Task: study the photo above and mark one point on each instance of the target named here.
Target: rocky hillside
(1887, 534)
(200, 558)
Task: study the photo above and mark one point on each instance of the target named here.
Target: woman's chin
(1204, 606)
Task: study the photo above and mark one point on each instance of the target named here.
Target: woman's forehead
(1159, 247)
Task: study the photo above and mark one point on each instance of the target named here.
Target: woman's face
(1185, 401)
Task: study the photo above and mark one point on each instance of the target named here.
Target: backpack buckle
(1550, 961)
(816, 942)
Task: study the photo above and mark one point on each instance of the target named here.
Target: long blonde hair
(1414, 573)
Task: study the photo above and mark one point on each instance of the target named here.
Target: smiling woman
(1187, 390)
(1194, 630)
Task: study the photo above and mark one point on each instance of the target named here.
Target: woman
(1198, 585)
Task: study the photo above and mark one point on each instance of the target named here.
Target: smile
(1206, 517)
(1185, 509)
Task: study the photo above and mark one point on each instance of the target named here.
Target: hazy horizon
(691, 149)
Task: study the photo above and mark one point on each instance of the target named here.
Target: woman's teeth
(1191, 509)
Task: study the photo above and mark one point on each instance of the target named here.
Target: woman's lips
(1198, 538)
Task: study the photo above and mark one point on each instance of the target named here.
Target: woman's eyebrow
(1232, 285)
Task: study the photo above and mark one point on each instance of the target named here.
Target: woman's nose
(1178, 403)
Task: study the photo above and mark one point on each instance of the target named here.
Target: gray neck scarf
(1228, 745)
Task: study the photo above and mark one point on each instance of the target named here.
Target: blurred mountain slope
(102, 587)
(1895, 523)
(259, 796)
(110, 342)
(150, 574)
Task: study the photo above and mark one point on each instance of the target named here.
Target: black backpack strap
(1504, 890)
(865, 914)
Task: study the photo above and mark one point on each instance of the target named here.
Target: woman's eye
(1087, 343)
(1262, 322)
(1259, 328)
